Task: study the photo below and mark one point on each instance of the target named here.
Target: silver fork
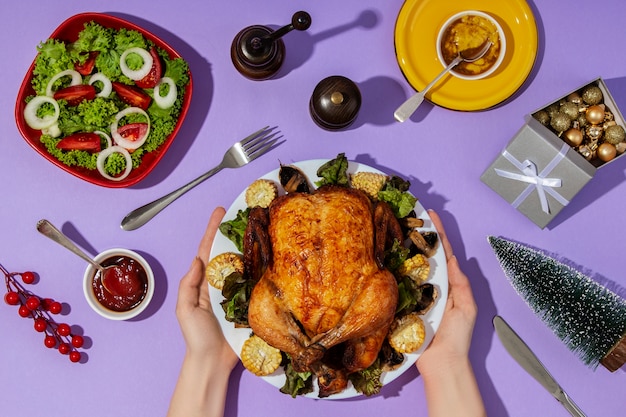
(238, 155)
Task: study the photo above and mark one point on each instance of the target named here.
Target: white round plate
(438, 277)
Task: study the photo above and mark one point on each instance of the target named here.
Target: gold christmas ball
(595, 114)
(560, 122)
(592, 94)
(621, 147)
(614, 134)
(542, 117)
(553, 109)
(570, 109)
(575, 98)
(606, 152)
(573, 137)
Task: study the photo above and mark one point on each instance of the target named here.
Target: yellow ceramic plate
(416, 38)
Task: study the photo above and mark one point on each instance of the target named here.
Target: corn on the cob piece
(417, 268)
(368, 182)
(222, 266)
(407, 333)
(261, 193)
(258, 357)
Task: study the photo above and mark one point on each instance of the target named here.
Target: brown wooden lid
(335, 102)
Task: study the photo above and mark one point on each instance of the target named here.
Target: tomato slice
(87, 67)
(81, 141)
(132, 95)
(75, 94)
(153, 77)
(133, 131)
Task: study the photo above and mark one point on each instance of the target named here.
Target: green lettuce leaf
(367, 381)
(334, 172)
(51, 59)
(296, 383)
(93, 37)
(236, 292)
(396, 255)
(396, 194)
(235, 229)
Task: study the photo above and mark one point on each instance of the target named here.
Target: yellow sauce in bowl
(466, 33)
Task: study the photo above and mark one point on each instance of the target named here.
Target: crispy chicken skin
(321, 286)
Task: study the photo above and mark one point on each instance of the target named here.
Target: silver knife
(527, 360)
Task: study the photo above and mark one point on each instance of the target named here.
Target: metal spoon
(108, 274)
(408, 107)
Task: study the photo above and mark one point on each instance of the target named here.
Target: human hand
(201, 330)
(203, 380)
(452, 340)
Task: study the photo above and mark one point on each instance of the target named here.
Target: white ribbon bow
(536, 181)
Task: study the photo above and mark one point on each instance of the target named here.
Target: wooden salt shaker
(335, 103)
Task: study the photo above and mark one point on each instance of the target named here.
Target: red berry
(50, 341)
(32, 302)
(28, 277)
(23, 311)
(40, 324)
(78, 341)
(63, 329)
(75, 356)
(64, 348)
(55, 307)
(12, 298)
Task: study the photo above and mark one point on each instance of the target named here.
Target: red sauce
(133, 281)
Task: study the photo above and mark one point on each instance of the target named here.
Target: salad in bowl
(103, 99)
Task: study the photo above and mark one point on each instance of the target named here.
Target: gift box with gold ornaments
(557, 151)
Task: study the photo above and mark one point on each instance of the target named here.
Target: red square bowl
(68, 31)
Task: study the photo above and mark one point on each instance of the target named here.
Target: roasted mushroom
(293, 180)
(424, 242)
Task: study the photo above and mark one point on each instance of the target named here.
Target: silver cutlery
(238, 155)
(522, 354)
(109, 275)
(412, 103)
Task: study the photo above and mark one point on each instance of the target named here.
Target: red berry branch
(57, 335)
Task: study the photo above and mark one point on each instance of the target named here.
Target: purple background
(132, 366)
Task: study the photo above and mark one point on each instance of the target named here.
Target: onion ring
(105, 136)
(104, 154)
(167, 101)
(52, 131)
(141, 72)
(76, 80)
(107, 87)
(30, 113)
(121, 141)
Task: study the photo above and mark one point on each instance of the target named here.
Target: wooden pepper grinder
(258, 52)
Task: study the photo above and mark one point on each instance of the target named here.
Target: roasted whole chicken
(323, 295)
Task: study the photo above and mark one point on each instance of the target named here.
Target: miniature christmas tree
(588, 317)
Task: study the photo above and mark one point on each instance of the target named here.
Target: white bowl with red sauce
(137, 275)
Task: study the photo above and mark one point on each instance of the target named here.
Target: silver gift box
(538, 173)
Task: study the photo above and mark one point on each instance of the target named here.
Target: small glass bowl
(93, 301)
(501, 40)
